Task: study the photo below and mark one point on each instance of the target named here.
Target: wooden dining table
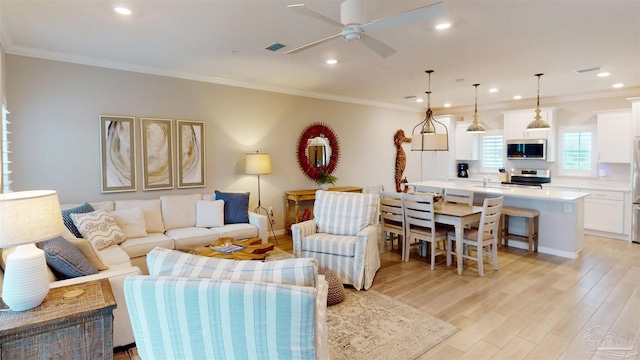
(458, 215)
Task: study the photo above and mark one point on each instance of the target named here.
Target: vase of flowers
(325, 179)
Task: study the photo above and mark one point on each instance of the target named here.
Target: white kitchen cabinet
(604, 211)
(614, 136)
(515, 127)
(466, 144)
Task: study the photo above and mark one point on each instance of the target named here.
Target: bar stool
(532, 217)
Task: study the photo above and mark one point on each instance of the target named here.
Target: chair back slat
(458, 196)
(491, 209)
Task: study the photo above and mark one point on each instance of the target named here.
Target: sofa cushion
(64, 259)
(68, 222)
(179, 211)
(141, 246)
(236, 207)
(210, 213)
(114, 257)
(88, 251)
(190, 237)
(344, 213)
(99, 228)
(296, 271)
(237, 231)
(131, 221)
(152, 212)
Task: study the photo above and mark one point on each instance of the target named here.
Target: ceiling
(494, 43)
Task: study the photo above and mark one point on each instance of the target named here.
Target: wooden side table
(59, 328)
(301, 195)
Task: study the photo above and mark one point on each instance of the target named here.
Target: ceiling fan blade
(378, 46)
(425, 13)
(305, 47)
(300, 8)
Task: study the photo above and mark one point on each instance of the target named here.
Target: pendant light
(475, 126)
(427, 139)
(538, 123)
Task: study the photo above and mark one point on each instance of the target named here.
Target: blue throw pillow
(65, 260)
(68, 222)
(236, 207)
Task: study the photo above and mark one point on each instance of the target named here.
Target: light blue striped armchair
(193, 307)
(342, 236)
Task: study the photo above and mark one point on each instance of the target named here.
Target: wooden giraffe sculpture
(401, 157)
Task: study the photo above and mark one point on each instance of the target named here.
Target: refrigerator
(635, 192)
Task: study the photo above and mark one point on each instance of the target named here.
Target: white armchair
(342, 236)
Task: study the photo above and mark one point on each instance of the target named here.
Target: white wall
(55, 137)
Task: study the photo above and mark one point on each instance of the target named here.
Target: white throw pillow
(210, 213)
(150, 208)
(99, 228)
(131, 221)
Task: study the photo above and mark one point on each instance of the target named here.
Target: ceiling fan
(353, 26)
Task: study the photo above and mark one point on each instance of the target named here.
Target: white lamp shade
(29, 216)
(429, 142)
(257, 164)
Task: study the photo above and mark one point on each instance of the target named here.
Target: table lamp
(27, 217)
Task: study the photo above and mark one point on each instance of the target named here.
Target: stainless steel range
(528, 178)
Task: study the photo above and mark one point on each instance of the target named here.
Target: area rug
(370, 325)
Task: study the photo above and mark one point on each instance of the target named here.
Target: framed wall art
(156, 139)
(190, 149)
(117, 153)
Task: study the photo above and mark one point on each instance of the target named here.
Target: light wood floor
(535, 307)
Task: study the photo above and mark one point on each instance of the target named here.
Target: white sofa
(170, 222)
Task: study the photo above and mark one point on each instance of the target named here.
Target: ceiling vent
(595, 68)
(275, 47)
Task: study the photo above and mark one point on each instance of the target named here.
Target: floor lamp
(260, 164)
(27, 217)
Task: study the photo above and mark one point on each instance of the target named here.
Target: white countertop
(497, 189)
(568, 183)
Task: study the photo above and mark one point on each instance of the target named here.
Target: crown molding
(118, 65)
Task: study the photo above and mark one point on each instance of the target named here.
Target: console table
(78, 327)
(301, 195)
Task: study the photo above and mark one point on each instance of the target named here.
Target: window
(6, 183)
(492, 152)
(576, 149)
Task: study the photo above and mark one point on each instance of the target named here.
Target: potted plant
(325, 179)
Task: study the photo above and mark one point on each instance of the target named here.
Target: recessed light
(419, 100)
(332, 61)
(447, 105)
(122, 10)
(618, 85)
(517, 97)
(443, 26)
(494, 90)
(603, 74)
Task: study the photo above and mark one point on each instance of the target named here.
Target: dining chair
(419, 220)
(486, 235)
(391, 217)
(458, 196)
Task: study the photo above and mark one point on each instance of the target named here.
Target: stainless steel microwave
(527, 149)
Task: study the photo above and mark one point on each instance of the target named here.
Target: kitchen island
(561, 228)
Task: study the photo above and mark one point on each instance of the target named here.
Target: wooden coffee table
(253, 249)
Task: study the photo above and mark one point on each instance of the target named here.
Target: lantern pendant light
(427, 139)
(538, 123)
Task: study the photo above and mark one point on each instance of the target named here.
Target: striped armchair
(193, 307)
(342, 236)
